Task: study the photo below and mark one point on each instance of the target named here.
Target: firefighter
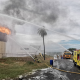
(61, 56)
(38, 60)
(35, 58)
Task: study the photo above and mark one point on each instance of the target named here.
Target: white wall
(14, 50)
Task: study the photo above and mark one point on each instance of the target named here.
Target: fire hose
(63, 70)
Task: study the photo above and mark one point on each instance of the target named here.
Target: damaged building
(3, 39)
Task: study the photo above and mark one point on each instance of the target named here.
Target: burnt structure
(3, 37)
(3, 40)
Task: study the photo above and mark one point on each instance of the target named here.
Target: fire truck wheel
(74, 63)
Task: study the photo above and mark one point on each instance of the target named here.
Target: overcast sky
(62, 16)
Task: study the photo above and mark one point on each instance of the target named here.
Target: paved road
(53, 74)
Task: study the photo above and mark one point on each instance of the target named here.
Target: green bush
(30, 62)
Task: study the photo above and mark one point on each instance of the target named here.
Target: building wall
(2, 48)
(3, 37)
(14, 50)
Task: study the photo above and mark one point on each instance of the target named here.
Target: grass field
(11, 68)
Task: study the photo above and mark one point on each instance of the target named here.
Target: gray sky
(59, 15)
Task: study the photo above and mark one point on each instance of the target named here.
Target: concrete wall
(2, 48)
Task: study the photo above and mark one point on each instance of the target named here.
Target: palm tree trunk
(44, 47)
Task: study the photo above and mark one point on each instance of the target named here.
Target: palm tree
(43, 33)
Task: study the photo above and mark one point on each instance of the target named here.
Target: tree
(43, 33)
(72, 50)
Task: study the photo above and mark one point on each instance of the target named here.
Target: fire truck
(76, 58)
(67, 54)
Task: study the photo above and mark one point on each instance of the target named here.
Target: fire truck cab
(67, 55)
(76, 58)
